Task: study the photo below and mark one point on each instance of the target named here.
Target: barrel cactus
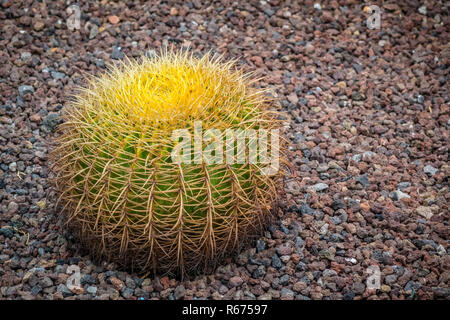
(125, 194)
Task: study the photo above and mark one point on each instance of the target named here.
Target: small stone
(420, 99)
(173, 11)
(38, 26)
(235, 281)
(25, 56)
(367, 155)
(46, 282)
(57, 75)
(329, 273)
(338, 204)
(293, 97)
(299, 286)
(306, 209)
(324, 229)
(317, 6)
(35, 117)
(299, 244)
(100, 63)
(441, 250)
(424, 212)
(13, 207)
(127, 293)
(276, 262)
(358, 287)
(259, 272)
(179, 292)
(350, 295)
(390, 6)
(258, 61)
(284, 279)
(113, 19)
(403, 185)
(356, 157)
(430, 170)
(130, 283)
(423, 10)
(77, 290)
(151, 54)
(334, 151)
(217, 296)
(165, 282)
(41, 204)
(390, 279)
(117, 283)
(341, 85)
(365, 206)
(301, 266)
(93, 32)
(26, 276)
(284, 249)
(351, 228)
(363, 180)
(327, 254)
(441, 292)
(117, 53)
(7, 232)
(51, 121)
(64, 290)
(358, 96)
(299, 137)
(287, 294)
(13, 166)
(91, 290)
(269, 12)
(87, 279)
(399, 195)
(316, 295)
(385, 288)
(260, 245)
(265, 296)
(36, 290)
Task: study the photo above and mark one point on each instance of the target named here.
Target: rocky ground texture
(367, 115)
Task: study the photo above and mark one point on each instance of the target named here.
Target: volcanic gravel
(366, 113)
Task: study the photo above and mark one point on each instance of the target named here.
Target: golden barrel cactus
(119, 185)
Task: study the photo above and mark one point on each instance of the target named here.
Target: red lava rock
(165, 282)
(235, 281)
(117, 283)
(335, 151)
(35, 118)
(258, 61)
(337, 267)
(113, 19)
(284, 249)
(365, 206)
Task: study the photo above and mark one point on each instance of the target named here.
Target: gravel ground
(367, 115)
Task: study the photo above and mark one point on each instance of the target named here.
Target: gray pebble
(430, 170)
(24, 89)
(320, 187)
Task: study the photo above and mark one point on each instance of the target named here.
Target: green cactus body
(120, 189)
